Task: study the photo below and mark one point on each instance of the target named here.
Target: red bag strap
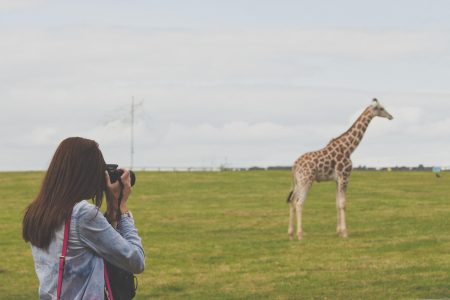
(107, 283)
(62, 258)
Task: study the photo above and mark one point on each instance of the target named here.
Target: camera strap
(119, 201)
(108, 291)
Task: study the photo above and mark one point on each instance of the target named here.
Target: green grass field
(224, 236)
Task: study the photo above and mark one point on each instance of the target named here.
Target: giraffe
(330, 163)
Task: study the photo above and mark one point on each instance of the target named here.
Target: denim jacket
(91, 239)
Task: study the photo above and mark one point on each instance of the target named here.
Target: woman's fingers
(108, 181)
(126, 178)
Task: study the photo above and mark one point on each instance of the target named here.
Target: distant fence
(179, 169)
(230, 169)
(200, 169)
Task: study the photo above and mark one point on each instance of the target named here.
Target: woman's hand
(113, 192)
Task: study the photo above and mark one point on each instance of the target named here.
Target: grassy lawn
(224, 236)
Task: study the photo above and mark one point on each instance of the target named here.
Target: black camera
(114, 173)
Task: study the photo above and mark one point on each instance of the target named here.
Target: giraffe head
(379, 111)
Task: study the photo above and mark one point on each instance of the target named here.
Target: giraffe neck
(353, 136)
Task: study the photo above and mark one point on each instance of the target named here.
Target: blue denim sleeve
(121, 247)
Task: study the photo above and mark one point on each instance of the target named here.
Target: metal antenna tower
(132, 133)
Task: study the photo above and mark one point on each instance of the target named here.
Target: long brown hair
(76, 173)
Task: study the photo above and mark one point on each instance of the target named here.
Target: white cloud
(72, 55)
(13, 5)
(233, 132)
(42, 135)
(264, 130)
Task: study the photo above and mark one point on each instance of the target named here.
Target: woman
(77, 174)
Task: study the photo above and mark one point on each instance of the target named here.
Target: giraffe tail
(289, 197)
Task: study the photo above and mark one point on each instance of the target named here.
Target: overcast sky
(241, 83)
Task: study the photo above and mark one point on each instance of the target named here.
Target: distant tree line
(358, 168)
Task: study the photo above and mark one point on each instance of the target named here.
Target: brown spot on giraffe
(330, 163)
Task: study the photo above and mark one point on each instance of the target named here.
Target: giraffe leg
(340, 203)
(338, 211)
(338, 217)
(299, 209)
(291, 220)
(299, 200)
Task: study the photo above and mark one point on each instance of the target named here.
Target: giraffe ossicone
(330, 163)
